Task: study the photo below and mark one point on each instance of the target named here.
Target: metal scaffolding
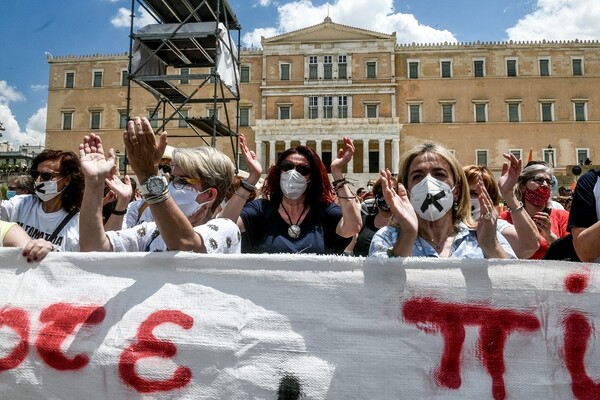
(188, 34)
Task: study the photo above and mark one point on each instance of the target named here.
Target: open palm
(93, 160)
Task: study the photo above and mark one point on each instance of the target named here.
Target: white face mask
(431, 198)
(185, 199)
(292, 184)
(369, 188)
(47, 190)
(475, 209)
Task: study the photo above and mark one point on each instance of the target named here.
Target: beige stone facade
(315, 85)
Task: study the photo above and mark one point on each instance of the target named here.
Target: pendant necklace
(294, 230)
(439, 247)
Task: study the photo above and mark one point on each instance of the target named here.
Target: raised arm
(523, 237)
(403, 213)
(144, 153)
(486, 227)
(234, 206)
(351, 221)
(123, 192)
(96, 168)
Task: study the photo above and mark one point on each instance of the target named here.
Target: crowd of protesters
(191, 200)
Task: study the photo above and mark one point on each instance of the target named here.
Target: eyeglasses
(46, 176)
(303, 169)
(179, 182)
(540, 181)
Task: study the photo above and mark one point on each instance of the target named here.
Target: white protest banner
(188, 326)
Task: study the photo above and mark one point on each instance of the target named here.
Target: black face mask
(380, 202)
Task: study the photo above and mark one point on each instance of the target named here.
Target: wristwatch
(154, 186)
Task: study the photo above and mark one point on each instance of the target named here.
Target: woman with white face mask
(298, 213)
(52, 212)
(182, 208)
(522, 233)
(432, 211)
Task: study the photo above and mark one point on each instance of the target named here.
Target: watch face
(156, 185)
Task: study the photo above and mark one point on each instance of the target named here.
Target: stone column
(259, 150)
(272, 155)
(365, 156)
(288, 144)
(319, 147)
(395, 154)
(381, 154)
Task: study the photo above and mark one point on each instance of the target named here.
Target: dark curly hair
(70, 166)
(319, 188)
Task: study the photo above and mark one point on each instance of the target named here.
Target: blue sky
(31, 29)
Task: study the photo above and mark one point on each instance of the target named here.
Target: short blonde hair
(213, 168)
(463, 213)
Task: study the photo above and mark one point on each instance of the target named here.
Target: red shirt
(558, 226)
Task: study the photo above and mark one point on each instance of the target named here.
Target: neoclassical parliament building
(316, 85)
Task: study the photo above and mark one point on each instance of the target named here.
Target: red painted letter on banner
(147, 345)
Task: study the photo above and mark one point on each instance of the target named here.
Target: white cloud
(378, 16)
(9, 94)
(123, 19)
(39, 88)
(34, 133)
(559, 20)
(36, 126)
(263, 3)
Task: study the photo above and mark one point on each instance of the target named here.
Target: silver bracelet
(516, 210)
(159, 198)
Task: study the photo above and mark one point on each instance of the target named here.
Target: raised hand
(254, 167)
(486, 225)
(509, 175)
(122, 189)
(344, 156)
(94, 164)
(403, 212)
(143, 150)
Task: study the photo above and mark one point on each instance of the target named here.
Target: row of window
(548, 154)
(96, 118)
(338, 107)
(328, 107)
(97, 78)
(324, 67)
(480, 111)
(511, 67)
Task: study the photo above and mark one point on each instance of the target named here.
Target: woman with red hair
(297, 213)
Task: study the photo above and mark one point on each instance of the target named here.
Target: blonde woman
(432, 210)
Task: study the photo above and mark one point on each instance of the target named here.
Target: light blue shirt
(465, 244)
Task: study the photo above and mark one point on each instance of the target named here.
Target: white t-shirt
(220, 235)
(133, 217)
(26, 210)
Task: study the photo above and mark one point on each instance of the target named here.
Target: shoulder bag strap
(62, 224)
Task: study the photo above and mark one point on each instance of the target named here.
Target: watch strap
(144, 188)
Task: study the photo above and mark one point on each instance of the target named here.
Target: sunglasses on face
(179, 182)
(303, 169)
(540, 181)
(46, 176)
